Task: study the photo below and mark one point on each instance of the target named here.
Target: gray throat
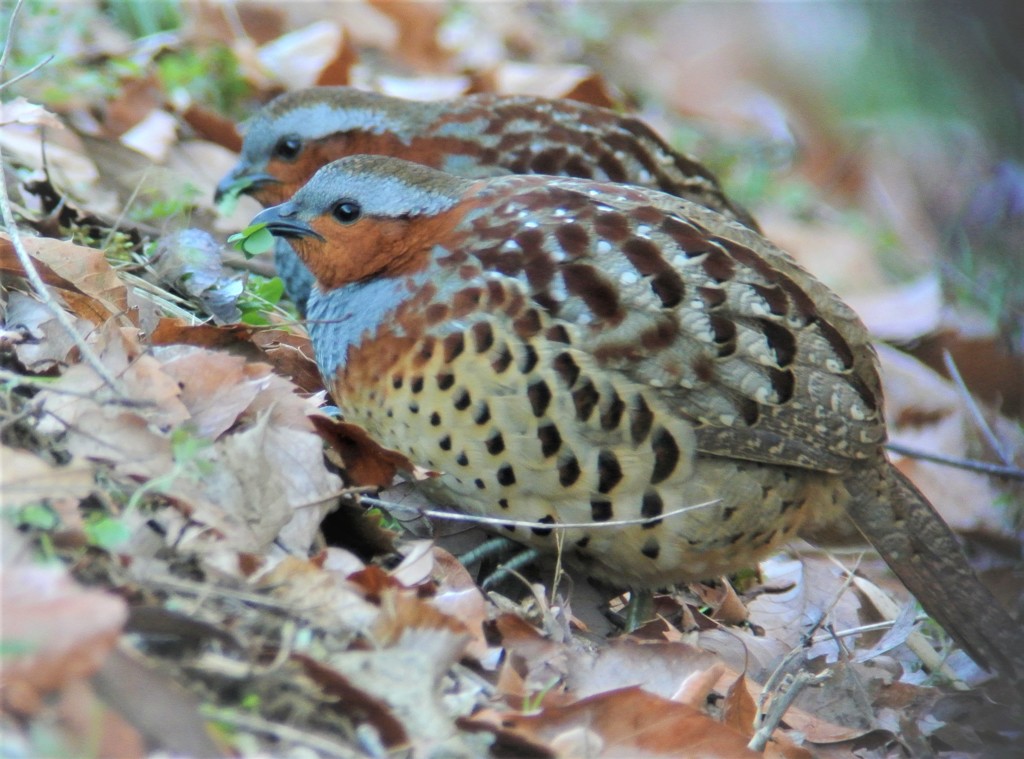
(338, 318)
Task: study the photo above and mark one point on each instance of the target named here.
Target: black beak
(238, 182)
(282, 222)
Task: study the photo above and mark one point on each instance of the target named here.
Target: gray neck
(338, 318)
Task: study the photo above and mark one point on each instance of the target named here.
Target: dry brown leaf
(659, 668)
(354, 702)
(727, 606)
(39, 340)
(54, 632)
(408, 677)
(631, 723)
(215, 387)
(67, 162)
(403, 612)
(153, 136)
(815, 582)
(991, 372)
(927, 413)
(418, 24)
(738, 708)
(366, 463)
(211, 126)
(321, 595)
(257, 481)
(80, 276)
(136, 99)
(290, 354)
(297, 58)
(27, 478)
(338, 71)
(551, 81)
(21, 111)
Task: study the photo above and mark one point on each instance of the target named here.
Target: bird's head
(298, 132)
(367, 216)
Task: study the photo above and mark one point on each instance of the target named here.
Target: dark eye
(288, 148)
(346, 211)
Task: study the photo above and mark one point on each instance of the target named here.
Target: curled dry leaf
(366, 462)
(40, 342)
(738, 708)
(190, 261)
(79, 276)
(417, 565)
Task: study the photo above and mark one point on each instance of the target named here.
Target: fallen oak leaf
(366, 462)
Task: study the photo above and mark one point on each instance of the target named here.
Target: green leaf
(38, 515)
(271, 290)
(253, 240)
(254, 318)
(107, 533)
(230, 196)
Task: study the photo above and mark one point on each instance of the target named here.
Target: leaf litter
(168, 537)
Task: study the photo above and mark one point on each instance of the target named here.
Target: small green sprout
(229, 197)
(253, 240)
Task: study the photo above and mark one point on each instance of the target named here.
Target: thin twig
(124, 210)
(789, 689)
(974, 409)
(10, 35)
(62, 317)
(28, 73)
(499, 522)
(323, 745)
(973, 465)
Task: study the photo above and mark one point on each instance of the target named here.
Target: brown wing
(765, 361)
(527, 135)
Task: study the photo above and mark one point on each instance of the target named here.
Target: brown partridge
(572, 351)
(475, 136)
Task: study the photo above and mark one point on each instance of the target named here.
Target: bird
(570, 351)
(296, 133)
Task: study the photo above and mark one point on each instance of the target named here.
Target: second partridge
(474, 136)
(572, 351)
